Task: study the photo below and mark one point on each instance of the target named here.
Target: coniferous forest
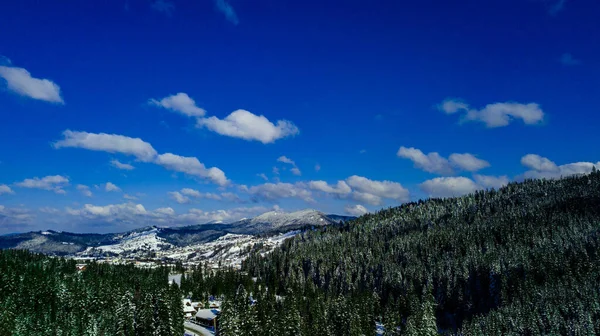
(522, 260)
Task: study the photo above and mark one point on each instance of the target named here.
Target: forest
(48, 296)
(521, 260)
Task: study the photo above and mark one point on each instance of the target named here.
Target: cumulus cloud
(382, 189)
(366, 198)
(21, 82)
(111, 212)
(134, 215)
(12, 219)
(432, 162)
(496, 182)
(468, 162)
(191, 166)
(84, 190)
(287, 160)
(120, 165)
(541, 167)
(275, 191)
(496, 114)
(449, 186)
(248, 126)
(435, 163)
(224, 7)
(54, 183)
(341, 188)
(4, 189)
(111, 187)
(111, 143)
(143, 151)
(355, 210)
(179, 197)
(362, 189)
(197, 194)
(539, 163)
(181, 103)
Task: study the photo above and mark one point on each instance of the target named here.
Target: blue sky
(124, 113)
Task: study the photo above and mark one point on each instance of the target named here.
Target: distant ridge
(66, 243)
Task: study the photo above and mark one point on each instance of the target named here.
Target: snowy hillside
(189, 243)
(134, 242)
(279, 220)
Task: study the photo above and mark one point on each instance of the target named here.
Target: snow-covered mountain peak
(279, 219)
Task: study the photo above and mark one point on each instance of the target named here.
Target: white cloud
(190, 192)
(179, 198)
(53, 183)
(383, 189)
(355, 210)
(84, 190)
(224, 7)
(111, 143)
(136, 215)
(495, 182)
(229, 196)
(317, 167)
(449, 186)
(143, 151)
(435, 163)
(165, 211)
(542, 167)
(197, 194)
(181, 103)
(4, 189)
(275, 191)
(20, 81)
(468, 162)
(263, 176)
(452, 106)
(248, 126)
(296, 171)
(120, 165)
(129, 197)
(49, 210)
(12, 219)
(496, 114)
(275, 170)
(362, 190)
(341, 188)
(287, 160)
(432, 162)
(536, 162)
(193, 167)
(112, 212)
(366, 198)
(110, 187)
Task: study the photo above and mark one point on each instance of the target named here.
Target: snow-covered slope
(149, 241)
(133, 242)
(281, 221)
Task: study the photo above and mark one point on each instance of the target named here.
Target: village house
(208, 318)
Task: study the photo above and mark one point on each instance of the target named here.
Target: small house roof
(207, 314)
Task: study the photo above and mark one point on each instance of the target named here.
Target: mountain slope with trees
(522, 260)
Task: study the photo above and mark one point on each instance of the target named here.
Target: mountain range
(164, 238)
